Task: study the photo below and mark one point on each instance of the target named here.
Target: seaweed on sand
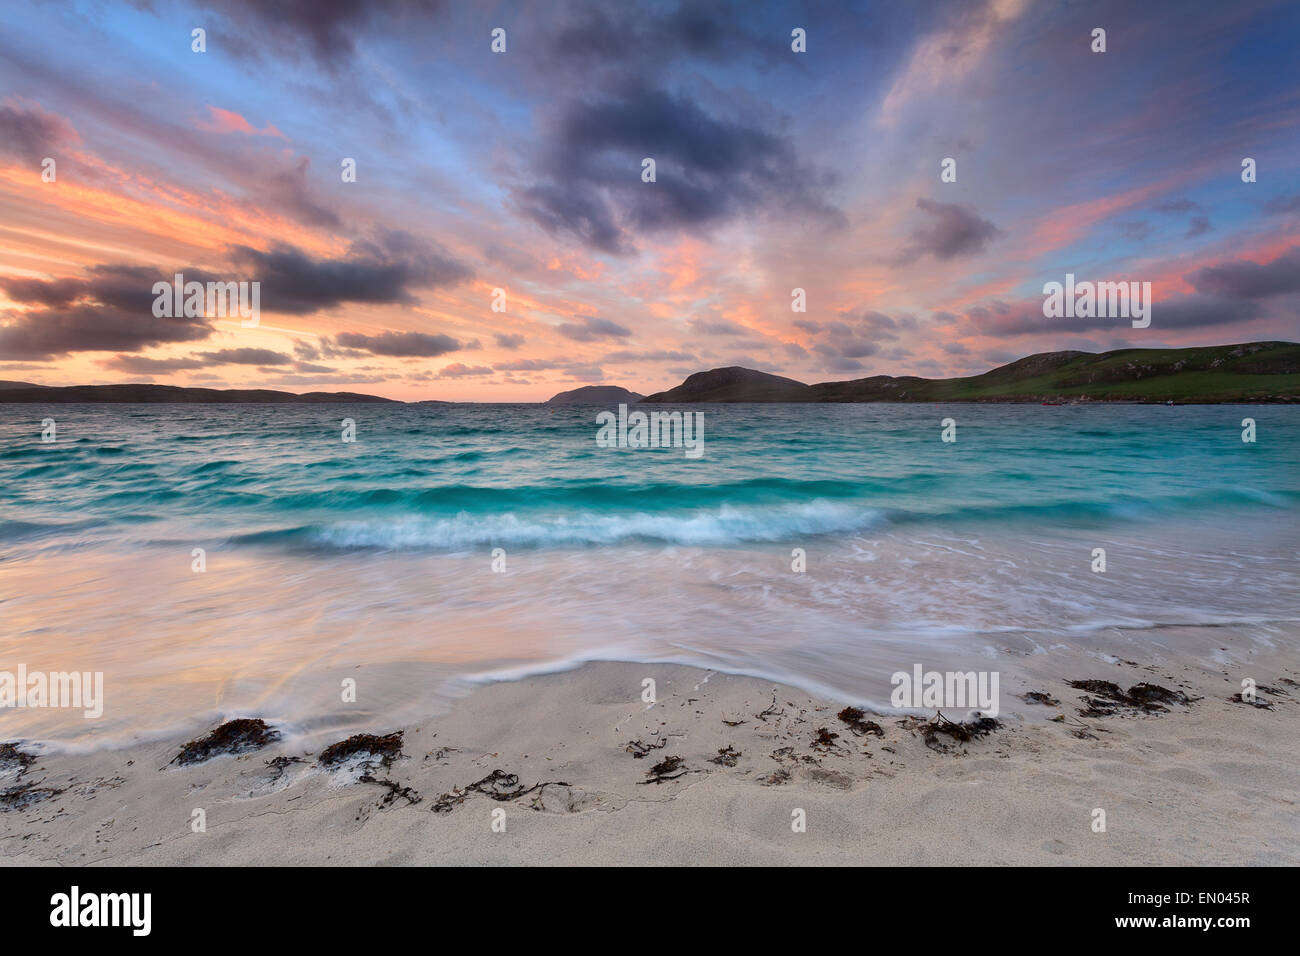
(825, 739)
(386, 748)
(1039, 697)
(1258, 702)
(23, 795)
(232, 737)
(395, 790)
(1108, 699)
(11, 756)
(637, 749)
(854, 717)
(963, 732)
(498, 785)
(279, 765)
(727, 756)
(670, 768)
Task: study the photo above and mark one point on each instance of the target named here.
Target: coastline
(1210, 782)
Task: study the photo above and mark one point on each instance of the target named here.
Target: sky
(522, 171)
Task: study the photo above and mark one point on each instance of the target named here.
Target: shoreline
(580, 771)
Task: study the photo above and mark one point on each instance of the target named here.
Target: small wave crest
(718, 527)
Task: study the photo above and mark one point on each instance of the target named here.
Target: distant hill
(4, 385)
(1249, 372)
(735, 384)
(24, 392)
(595, 395)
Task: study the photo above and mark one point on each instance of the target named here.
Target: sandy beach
(573, 768)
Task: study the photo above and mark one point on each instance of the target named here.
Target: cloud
(29, 135)
(952, 230)
(1283, 205)
(591, 329)
(1176, 206)
(1136, 230)
(459, 370)
(326, 30)
(109, 311)
(139, 364)
(383, 270)
(246, 356)
(717, 327)
(709, 170)
(1240, 279)
(226, 121)
(400, 344)
(1198, 226)
(662, 355)
(509, 341)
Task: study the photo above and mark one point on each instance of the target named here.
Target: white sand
(1213, 783)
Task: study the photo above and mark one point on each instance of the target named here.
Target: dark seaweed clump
(824, 740)
(963, 732)
(1038, 697)
(670, 768)
(855, 719)
(232, 737)
(638, 749)
(11, 756)
(1108, 699)
(24, 795)
(386, 748)
(727, 757)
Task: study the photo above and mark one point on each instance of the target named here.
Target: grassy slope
(1253, 372)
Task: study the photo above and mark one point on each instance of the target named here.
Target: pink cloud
(224, 121)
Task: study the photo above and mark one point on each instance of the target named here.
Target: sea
(213, 561)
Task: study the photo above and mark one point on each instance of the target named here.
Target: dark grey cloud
(326, 30)
(1182, 312)
(509, 341)
(1283, 205)
(1198, 226)
(287, 190)
(1176, 206)
(140, 365)
(593, 329)
(247, 356)
(1135, 229)
(30, 135)
(951, 230)
(595, 36)
(110, 310)
(709, 170)
(399, 344)
(380, 270)
(1240, 279)
(855, 335)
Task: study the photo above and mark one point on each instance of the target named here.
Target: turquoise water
(459, 478)
(449, 543)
